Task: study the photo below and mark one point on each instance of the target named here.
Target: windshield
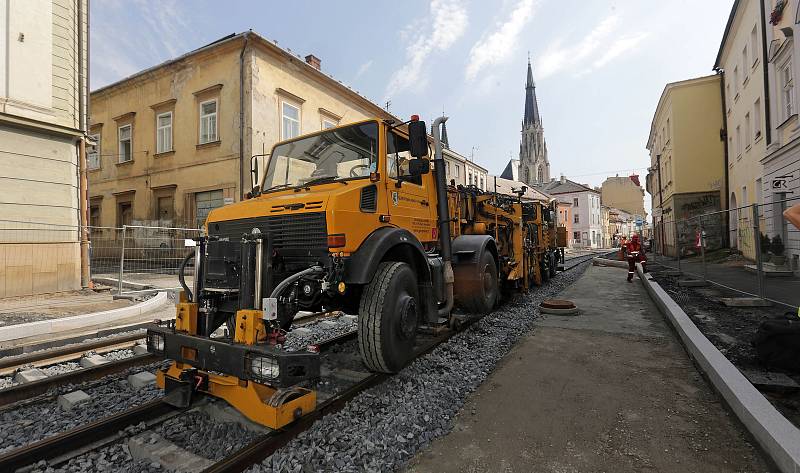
(343, 153)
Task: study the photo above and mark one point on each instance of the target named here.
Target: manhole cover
(557, 304)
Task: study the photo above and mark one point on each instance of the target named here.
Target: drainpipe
(83, 219)
(241, 116)
(724, 197)
(764, 61)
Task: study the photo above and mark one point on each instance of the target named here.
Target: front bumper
(258, 363)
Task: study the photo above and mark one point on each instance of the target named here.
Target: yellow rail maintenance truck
(354, 219)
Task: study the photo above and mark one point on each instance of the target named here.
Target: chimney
(314, 61)
(563, 179)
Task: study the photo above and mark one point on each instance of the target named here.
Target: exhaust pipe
(443, 210)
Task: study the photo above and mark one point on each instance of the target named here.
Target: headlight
(264, 367)
(155, 342)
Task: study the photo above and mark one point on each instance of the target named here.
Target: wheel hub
(408, 318)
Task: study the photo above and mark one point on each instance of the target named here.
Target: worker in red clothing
(635, 253)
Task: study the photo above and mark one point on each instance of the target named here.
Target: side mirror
(418, 139)
(419, 166)
(254, 171)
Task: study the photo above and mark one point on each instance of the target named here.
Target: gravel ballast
(382, 428)
(36, 421)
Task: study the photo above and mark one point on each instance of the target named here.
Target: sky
(599, 66)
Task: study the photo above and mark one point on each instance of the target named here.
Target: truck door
(409, 204)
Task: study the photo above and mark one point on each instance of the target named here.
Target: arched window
(541, 174)
(527, 176)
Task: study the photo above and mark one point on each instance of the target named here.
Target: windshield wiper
(274, 188)
(320, 180)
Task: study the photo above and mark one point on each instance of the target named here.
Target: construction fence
(751, 250)
(130, 257)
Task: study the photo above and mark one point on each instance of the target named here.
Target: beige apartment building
(43, 92)
(176, 140)
(624, 193)
(686, 177)
(741, 60)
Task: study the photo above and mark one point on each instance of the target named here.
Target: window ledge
(210, 144)
(755, 63)
(124, 163)
(759, 137)
(785, 122)
(736, 97)
(745, 81)
(94, 169)
(164, 154)
(747, 148)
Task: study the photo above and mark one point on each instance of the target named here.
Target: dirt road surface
(609, 390)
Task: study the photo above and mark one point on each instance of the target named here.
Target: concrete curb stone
(778, 437)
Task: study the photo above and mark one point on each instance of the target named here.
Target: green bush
(765, 244)
(777, 246)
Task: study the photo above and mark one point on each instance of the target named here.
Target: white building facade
(781, 165)
(43, 110)
(587, 225)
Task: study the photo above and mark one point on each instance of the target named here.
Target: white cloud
(450, 21)
(497, 46)
(619, 47)
(363, 68)
(583, 56)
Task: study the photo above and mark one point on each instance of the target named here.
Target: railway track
(25, 391)
(61, 447)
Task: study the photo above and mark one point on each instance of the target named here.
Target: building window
(728, 96)
(744, 197)
(738, 141)
(736, 81)
(328, 123)
(745, 69)
(577, 219)
(576, 236)
(747, 129)
(574, 201)
(457, 171)
(93, 153)
(94, 214)
(668, 133)
(757, 118)
(787, 93)
(204, 203)
(164, 132)
(759, 191)
(125, 143)
(208, 122)
(124, 213)
(290, 123)
(754, 44)
(482, 183)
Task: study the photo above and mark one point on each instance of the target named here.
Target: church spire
(531, 105)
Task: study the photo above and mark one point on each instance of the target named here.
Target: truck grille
(295, 233)
(298, 239)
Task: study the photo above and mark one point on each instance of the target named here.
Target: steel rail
(265, 446)
(73, 439)
(24, 391)
(74, 349)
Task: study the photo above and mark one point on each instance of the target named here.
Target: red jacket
(634, 250)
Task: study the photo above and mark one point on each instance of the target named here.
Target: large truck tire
(553, 265)
(478, 293)
(387, 318)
